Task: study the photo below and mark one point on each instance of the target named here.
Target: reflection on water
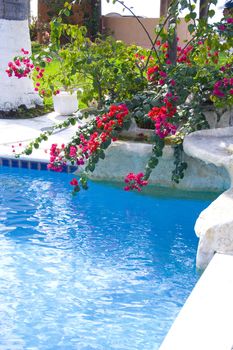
(105, 270)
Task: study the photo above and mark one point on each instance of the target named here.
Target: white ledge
(214, 226)
(205, 321)
(212, 146)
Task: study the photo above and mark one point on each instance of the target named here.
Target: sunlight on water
(105, 270)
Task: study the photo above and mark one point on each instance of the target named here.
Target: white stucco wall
(14, 92)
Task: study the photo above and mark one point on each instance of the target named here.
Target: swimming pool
(106, 270)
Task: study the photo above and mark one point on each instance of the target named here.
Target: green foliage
(180, 165)
(104, 69)
(112, 72)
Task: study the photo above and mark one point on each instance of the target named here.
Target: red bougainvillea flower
(160, 115)
(74, 182)
(157, 76)
(153, 73)
(184, 55)
(135, 182)
(89, 143)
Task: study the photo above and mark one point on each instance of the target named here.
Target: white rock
(211, 118)
(123, 157)
(225, 119)
(214, 227)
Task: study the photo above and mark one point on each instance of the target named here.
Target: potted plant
(58, 82)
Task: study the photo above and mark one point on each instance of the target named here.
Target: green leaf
(106, 144)
(73, 121)
(211, 13)
(139, 114)
(91, 167)
(147, 108)
(95, 158)
(193, 15)
(66, 12)
(28, 151)
(191, 28)
(187, 18)
(153, 162)
(101, 154)
(158, 152)
(147, 172)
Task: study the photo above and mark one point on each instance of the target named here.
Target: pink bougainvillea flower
(135, 182)
(222, 27)
(230, 20)
(89, 144)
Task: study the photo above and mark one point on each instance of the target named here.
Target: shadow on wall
(127, 29)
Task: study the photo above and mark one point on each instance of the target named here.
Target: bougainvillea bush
(164, 88)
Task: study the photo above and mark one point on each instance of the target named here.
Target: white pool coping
(206, 320)
(21, 131)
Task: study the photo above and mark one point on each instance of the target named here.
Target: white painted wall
(14, 92)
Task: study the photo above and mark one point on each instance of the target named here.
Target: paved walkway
(22, 131)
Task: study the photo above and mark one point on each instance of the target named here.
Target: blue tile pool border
(30, 164)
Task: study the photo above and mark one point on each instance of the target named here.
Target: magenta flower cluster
(135, 182)
(21, 67)
(223, 88)
(89, 144)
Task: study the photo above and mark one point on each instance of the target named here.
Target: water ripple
(107, 270)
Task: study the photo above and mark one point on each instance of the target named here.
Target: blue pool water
(106, 270)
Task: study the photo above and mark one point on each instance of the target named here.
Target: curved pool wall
(107, 269)
(214, 226)
(123, 157)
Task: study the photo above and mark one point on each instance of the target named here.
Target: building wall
(130, 31)
(84, 13)
(45, 16)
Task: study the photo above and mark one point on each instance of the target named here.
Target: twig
(138, 19)
(155, 40)
(194, 21)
